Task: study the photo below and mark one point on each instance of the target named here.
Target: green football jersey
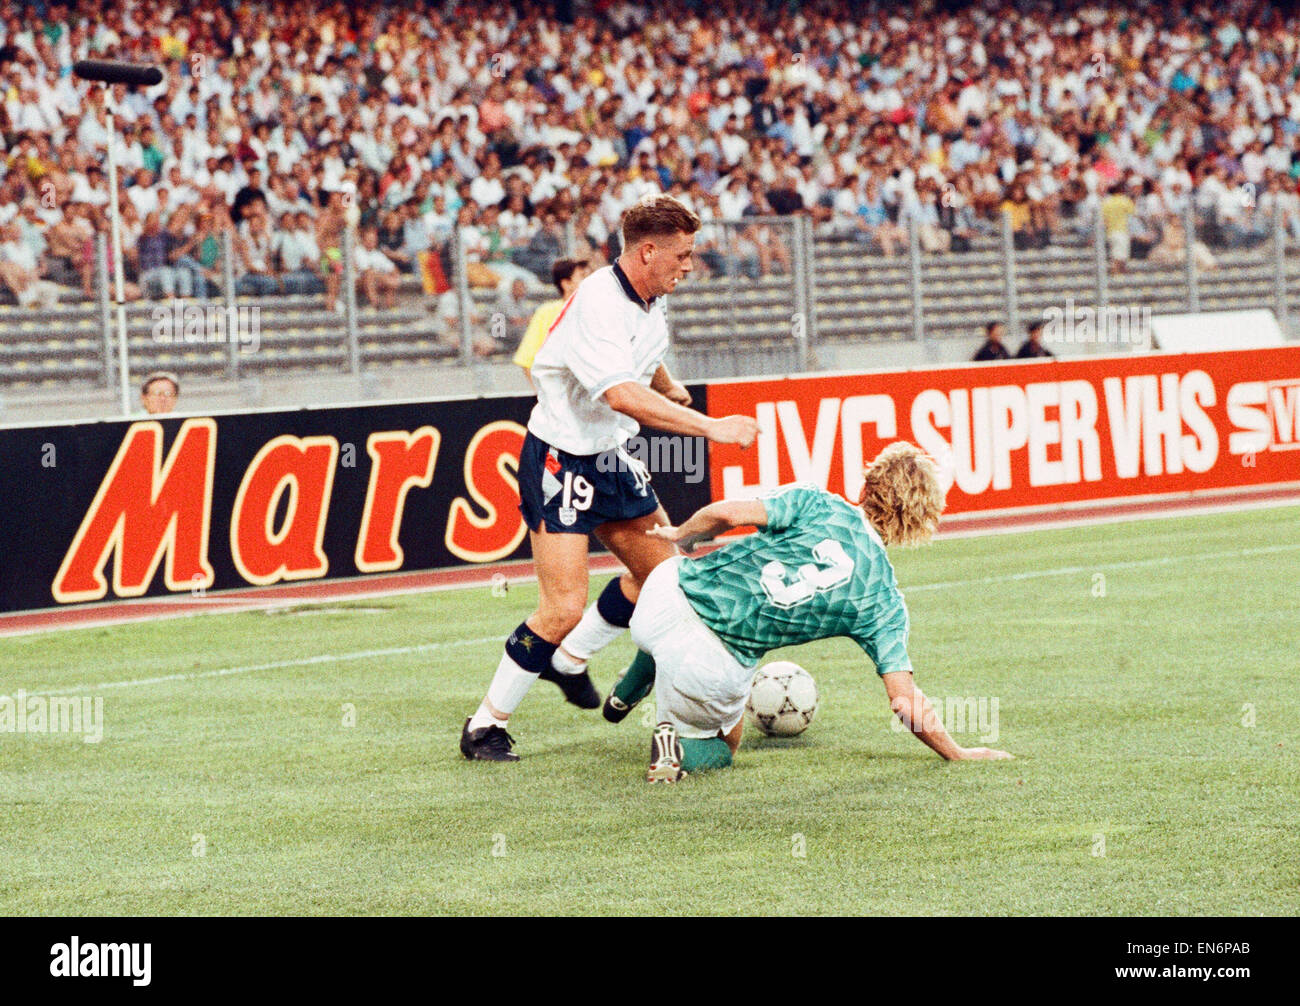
(818, 569)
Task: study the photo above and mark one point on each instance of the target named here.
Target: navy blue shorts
(576, 493)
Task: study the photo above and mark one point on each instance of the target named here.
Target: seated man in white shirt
(298, 253)
(20, 270)
(376, 274)
(255, 272)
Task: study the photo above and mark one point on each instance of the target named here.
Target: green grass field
(1146, 676)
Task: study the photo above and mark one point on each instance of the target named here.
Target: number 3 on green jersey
(832, 567)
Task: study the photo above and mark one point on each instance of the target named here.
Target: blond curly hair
(902, 495)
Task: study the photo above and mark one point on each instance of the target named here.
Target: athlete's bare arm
(710, 521)
(668, 386)
(653, 409)
(912, 707)
(906, 700)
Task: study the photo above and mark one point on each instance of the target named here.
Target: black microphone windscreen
(110, 72)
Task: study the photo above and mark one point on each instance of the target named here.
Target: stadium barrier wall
(100, 511)
(106, 510)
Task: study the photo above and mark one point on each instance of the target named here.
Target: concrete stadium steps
(42, 348)
(704, 363)
(961, 293)
(721, 326)
(50, 372)
(864, 298)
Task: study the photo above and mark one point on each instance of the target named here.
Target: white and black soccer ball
(782, 699)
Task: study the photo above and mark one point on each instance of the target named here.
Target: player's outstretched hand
(742, 430)
(983, 754)
(667, 532)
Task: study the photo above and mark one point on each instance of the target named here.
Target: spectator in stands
(992, 348)
(66, 240)
(497, 252)
(376, 274)
(330, 225)
(438, 221)
(20, 270)
(1172, 249)
(1033, 346)
(200, 254)
(487, 189)
(392, 236)
(566, 274)
(1284, 201)
(474, 247)
(516, 224)
(159, 392)
(978, 98)
(251, 192)
(255, 274)
(447, 309)
(1144, 228)
(98, 224)
(178, 228)
(1244, 226)
(1028, 225)
(768, 247)
(957, 215)
(590, 233)
(874, 223)
(734, 198)
(279, 199)
(508, 319)
(143, 194)
(544, 247)
(923, 207)
(90, 187)
(131, 227)
(298, 254)
(966, 150)
(157, 276)
(1116, 211)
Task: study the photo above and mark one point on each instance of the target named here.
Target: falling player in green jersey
(816, 568)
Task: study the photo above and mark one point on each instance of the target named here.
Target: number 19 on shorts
(577, 495)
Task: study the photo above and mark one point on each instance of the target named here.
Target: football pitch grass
(305, 761)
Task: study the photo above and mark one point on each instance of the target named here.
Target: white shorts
(700, 687)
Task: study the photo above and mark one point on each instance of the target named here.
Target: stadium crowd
(282, 123)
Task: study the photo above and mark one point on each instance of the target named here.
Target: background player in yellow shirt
(566, 274)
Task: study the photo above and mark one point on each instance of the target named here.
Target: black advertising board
(148, 507)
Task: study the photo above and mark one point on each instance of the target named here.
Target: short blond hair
(902, 495)
(657, 217)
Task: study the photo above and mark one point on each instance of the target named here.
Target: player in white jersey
(599, 374)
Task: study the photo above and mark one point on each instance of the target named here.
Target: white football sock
(484, 718)
(589, 637)
(509, 686)
(566, 664)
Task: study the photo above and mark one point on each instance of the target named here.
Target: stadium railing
(770, 295)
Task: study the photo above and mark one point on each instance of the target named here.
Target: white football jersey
(605, 335)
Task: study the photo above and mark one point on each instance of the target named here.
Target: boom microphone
(110, 72)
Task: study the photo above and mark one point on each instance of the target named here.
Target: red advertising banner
(1031, 434)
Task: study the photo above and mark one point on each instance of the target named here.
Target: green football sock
(638, 680)
(699, 754)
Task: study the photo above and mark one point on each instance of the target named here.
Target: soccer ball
(782, 699)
